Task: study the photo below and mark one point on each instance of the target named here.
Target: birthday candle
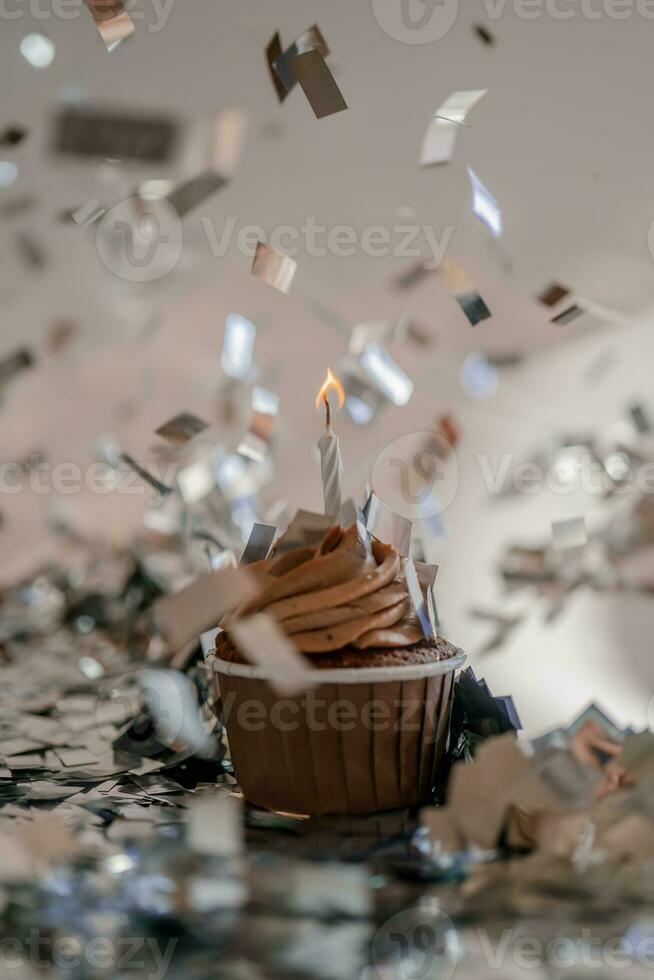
(331, 463)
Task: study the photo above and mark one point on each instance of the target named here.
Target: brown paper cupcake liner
(355, 742)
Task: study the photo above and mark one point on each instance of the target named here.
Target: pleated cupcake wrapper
(366, 763)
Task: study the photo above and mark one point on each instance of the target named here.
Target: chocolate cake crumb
(424, 652)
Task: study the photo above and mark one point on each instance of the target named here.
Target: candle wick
(328, 412)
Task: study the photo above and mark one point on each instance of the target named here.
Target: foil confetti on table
(121, 821)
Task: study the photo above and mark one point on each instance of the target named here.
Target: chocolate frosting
(349, 590)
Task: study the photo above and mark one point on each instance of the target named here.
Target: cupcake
(370, 731)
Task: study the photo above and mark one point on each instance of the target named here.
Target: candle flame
(331, 383)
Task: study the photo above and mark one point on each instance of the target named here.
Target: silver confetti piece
(188, 195)
(640, 418)
(569, 534)
(464, 291)
(88, 214)
(386, 374)
(143, 473)
(568, 315)
(262, 642)
(196, 481)
(484, 205)
(386, 525)
(417, 598)
(280, 64)
(187, 614)
(259, 543)
(172, 702)
(306, 530)
(441, 135)
(350, 514)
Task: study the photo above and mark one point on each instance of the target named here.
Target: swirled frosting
(347, 591)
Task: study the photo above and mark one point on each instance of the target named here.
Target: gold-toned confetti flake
(318, 84)
(182, 428)
(554, 294)
(273, 53)
(112, 21)
(274, 268)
